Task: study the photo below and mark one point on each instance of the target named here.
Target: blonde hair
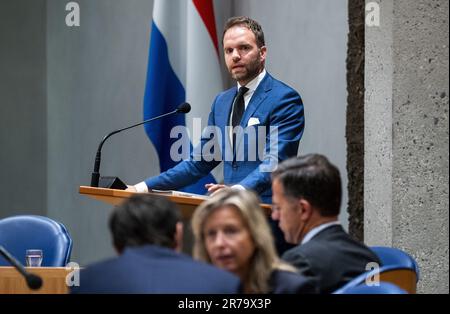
(265, 259)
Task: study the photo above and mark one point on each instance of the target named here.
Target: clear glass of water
(34, 257)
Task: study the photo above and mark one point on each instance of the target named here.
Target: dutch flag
(183, 65)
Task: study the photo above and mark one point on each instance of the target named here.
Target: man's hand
(213, 188)
(131, 188)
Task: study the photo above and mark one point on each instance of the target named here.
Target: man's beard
(251, 71)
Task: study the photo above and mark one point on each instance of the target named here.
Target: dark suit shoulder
(300, 260)
(152, 269)
(338, 242)
(288, 282)
(187, 272)
(332, 257)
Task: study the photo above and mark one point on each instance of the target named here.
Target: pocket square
(252, 121)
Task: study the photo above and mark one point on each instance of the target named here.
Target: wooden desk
(186, 204)
(53, 280)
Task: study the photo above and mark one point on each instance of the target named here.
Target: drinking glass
(34, 257)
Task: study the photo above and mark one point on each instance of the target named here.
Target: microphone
(184, 108)
(95, 178)
(34, 282)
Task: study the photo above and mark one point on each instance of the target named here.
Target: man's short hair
(313, 178)
(248, 23)
(144, 219)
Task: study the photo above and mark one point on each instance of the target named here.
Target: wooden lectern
(187, 203)
(53, 280)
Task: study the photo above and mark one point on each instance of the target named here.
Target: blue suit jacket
(274, 105)
(154, 269)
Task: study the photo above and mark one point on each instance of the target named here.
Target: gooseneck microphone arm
(33, 281)
(183, 108)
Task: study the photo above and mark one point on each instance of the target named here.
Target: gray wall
(407, 148)
(23, 138)
(94, 77)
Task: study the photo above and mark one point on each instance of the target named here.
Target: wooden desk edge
(179, 199)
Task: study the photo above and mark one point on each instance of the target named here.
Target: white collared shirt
(313, 232)
(252, 86)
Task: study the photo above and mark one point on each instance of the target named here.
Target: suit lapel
(260, 94)
(223, 115)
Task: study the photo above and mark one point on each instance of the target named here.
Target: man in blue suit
(147, 233)
(258, 105)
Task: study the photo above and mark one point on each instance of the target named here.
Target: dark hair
(313, 178)
(248, 23)
(144, 219)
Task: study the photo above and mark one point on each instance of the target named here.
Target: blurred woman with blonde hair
(232, 233)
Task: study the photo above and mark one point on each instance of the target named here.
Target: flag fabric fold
(183, 65)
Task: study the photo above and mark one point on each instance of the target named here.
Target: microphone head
(184, 108)
(34, 282)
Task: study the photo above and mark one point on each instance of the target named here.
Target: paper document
(179, 193)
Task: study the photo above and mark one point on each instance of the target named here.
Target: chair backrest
(399, 276)
(19, 233)
(392, 256)
(381, 288)
(398, 268)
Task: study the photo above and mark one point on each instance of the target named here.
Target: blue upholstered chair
(19, 233)
(393, 256)
(397, 268)
(382, 288)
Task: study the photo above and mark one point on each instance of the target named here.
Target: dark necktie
(239, 106)
(238, 111)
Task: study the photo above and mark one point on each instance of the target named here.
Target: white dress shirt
(252, 86)
(313, 232)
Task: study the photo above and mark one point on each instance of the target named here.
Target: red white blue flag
(183, 65)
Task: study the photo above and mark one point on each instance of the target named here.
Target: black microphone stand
(183, 108)
(33, 281)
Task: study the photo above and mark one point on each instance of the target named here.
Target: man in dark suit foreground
(307, 198)
(147, 234)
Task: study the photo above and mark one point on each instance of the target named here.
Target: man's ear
(178, 237)
(263, 53)
(305, 209)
